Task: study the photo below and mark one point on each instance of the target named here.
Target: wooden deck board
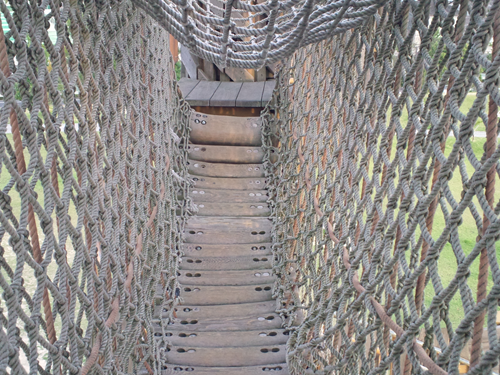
(226, 94)
(187, 85)
(202, 93)
(268, 92)
(250, 94)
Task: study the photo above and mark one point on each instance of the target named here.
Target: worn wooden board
(229, 234)
(216, 295)
(215, 236)
(203, 168)
(223, 339)
(217, 250)
(251, 184)
(170, 369)
(191, 62)
(202, 93)
(225, 95)
(239, 74)
(229, 356)
(222, 130)
(260, 75)
(228, 154)
(202, 76)
(226, 277)
(232, 209)
(229, 111)
(210, 70)
(250, 94)
(229, 196)
(268, 92)
(187, 85)
(239, 323)
(251, 310)
(278, 369)
(198, 263)
(224, 223)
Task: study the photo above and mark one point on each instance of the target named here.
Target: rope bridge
(375, 179)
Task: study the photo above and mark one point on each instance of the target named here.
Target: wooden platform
(226, 94)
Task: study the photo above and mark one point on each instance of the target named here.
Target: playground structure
(341, 218)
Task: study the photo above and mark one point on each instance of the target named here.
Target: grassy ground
(178, 70)
(468, 231)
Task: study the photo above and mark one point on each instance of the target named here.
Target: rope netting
(91, 134)
(384, 203)
(251, 34)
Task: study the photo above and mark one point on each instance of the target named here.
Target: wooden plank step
(257, 263)
(228, 356)
(174, 369)
(217, 295)
(233, 209)
(227, 236)
(224, 221)
(223, 339)
(226, 277)
(226, 154)
(222, 183)
(240, 323)
(210, 250)
(251, 310)
(225, 130)
(229, 196)
(202, 168)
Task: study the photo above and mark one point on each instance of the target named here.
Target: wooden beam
(191, 62)
(260, 75)
(174, 48)
(209, 69)
(239, 75)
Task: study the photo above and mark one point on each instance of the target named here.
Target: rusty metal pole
(491, 144)
(21, 168)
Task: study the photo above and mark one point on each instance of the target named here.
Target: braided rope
(364, 200)
(252, 34)
(91, 135)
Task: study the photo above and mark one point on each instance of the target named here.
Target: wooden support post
(190, 62)
(174, 48)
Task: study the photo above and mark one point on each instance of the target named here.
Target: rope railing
(252, 34)
(91, 141)
(384, 202)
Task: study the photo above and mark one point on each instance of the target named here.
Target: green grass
(178, 70)
(30, 281)
(464, 108)
(468, 231)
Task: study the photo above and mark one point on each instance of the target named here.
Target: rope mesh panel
(370, 134)
(251, 34)
(91, 131)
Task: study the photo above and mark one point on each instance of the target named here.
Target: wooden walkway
(226, 94)
(227, 322)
